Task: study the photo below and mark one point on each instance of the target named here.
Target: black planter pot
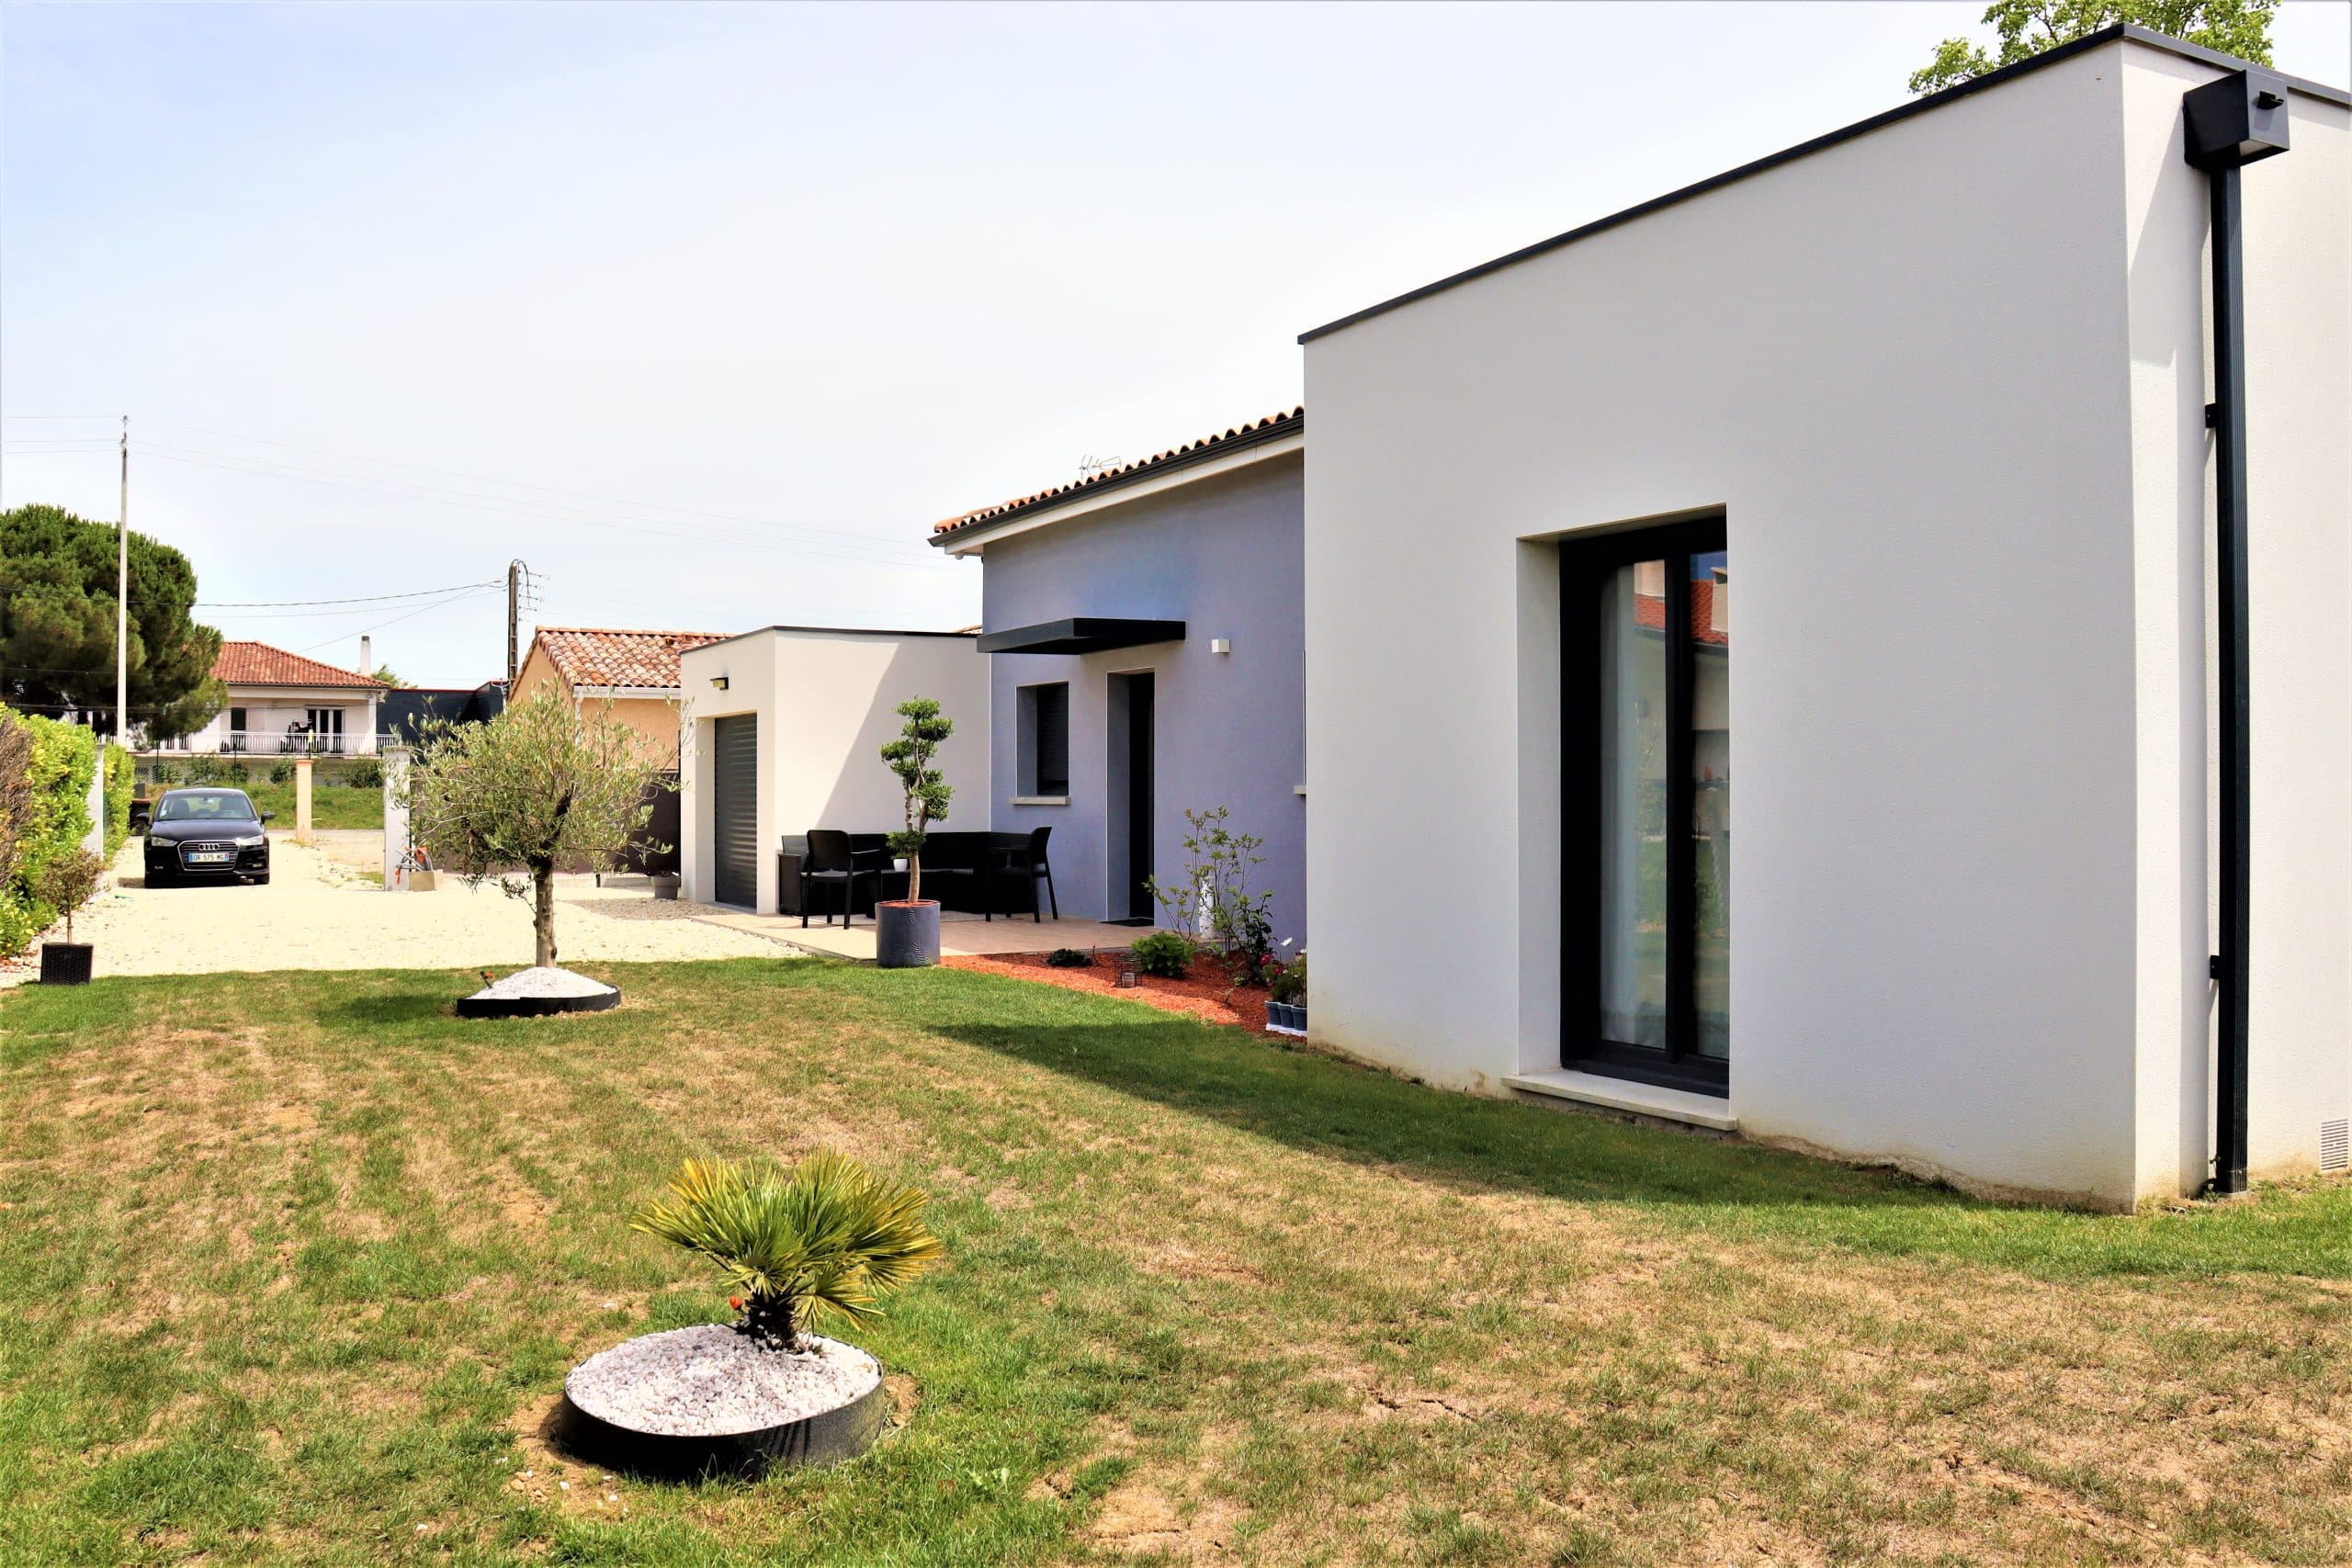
(906, 935)
(65, 964)
(827, 1438)
(1287, 1018)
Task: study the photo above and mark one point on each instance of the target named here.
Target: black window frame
(1585, 564)
(1035, 779)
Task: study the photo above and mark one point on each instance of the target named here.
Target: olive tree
(543, 785)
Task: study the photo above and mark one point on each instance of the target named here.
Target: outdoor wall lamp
(719, 682)
(1221, 645)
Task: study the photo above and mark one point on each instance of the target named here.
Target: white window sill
(1041, 800)
(1624, 1094)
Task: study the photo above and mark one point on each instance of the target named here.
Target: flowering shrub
(1286, 983)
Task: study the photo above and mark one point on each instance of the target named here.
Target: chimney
(367, 663)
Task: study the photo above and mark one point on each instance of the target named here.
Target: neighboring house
(405, 710)
(785, 729)
(1143, 627)
(282, 704)
(634, 674)
(1933, 390)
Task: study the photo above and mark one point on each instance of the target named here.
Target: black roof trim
(1081, 634)
(2088, 41)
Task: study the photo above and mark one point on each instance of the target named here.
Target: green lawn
(332, 805)
(293, 1265)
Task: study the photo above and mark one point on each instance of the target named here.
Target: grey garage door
(734, 808)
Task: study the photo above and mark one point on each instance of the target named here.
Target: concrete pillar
(396, 819)
(302, 800)
(94, 840)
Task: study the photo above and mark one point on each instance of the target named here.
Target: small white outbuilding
(782, 730)
(1932, 390)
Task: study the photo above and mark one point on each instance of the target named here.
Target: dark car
(206, 832)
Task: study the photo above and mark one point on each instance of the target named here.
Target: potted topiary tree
(826, 1238)
(906, 930)
(65, 883)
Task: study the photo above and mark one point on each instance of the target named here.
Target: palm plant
(826, 1237)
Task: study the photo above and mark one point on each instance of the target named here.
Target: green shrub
(281, 773)
(365, 776)
(67, 882)
(828, 1237)
(48, 805)
(1165, 955)
(1069, 958)
(163, 774)
(122, 783)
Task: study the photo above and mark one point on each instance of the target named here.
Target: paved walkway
(322, 911)
(970, 935)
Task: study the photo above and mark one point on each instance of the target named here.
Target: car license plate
(211, 857)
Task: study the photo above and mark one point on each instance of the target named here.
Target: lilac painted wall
(1226, 556)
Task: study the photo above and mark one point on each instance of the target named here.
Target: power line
(342, 636)
(537, 511)
(358, 599)
(848, 534)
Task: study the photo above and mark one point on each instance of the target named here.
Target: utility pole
(518, 574)
(122, 601)
(121, 641)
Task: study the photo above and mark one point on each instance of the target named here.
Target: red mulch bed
(1207, 992)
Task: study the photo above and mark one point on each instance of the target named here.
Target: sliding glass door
(1646, 805)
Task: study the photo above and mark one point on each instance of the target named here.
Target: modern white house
(1933, 390)
(284, 704)
(781, 731)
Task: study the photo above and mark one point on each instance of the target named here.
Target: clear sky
(707, 313)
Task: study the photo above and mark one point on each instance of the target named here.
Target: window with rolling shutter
(1044, 739)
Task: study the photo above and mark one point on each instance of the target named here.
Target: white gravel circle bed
(538, 982)
(713, 1382)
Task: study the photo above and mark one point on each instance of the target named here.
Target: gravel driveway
(319, 912)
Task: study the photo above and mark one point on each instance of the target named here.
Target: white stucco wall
(2298, 349)
(271, 711)
(1903, 369)
(825, 702)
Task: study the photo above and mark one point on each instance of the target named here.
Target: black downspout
(2227, 125)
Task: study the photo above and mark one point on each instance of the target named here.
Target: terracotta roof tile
(258, 664)
(602, 656)
(1268, 428)
(1649, 611)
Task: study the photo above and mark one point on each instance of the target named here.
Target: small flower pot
(65, 964)
(906, 933)
(665, 887)
(1287, 1018)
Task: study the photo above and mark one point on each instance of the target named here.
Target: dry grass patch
(294, 1269)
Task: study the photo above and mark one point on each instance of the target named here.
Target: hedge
(47, 810)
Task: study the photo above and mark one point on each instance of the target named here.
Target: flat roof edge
(2114, 32)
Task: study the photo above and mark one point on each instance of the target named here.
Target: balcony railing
(269, 743)
(288, 743)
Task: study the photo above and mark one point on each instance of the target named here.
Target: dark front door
(1139, 806)
(734, 810)
(1646, 805)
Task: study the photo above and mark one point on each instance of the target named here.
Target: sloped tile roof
(602, 656)
(258, 664)
(1649, 612)
(1272, 427)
